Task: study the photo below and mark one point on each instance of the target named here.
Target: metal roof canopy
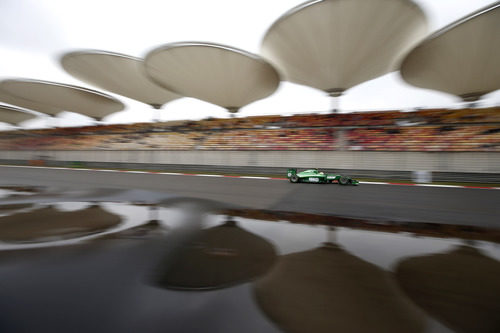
(344, 284)
(333, 45)
(118, 73)
(461, 59)
(199, 268)
(48, 221)
(459, 287)
(222, 75)
(27, 104)
(52, 98)
(13, 115)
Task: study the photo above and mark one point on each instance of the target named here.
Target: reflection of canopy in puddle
(219, 257)
(48, 224)
(14, 206)
(460, 287)
(329, 290)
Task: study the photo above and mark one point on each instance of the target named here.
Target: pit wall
(450, 165)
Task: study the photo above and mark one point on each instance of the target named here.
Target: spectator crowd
(423, 130)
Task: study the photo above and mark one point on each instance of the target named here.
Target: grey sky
(34, 33)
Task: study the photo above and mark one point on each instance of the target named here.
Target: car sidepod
(332, 178)
(315, 179)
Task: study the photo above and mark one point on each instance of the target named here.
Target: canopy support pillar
(232, 110)
(157, 112)
(335, 94)
(154, 213)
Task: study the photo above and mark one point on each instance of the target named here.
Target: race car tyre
(343, 180)
(294, 179)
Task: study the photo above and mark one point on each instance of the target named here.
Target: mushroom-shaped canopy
(329, 290)
(26, 103)
(13, 116)
(460, 287)
(222, 75)
(118, 73)
(52, 98)
(49, 224)
(462, 59)
(333, 45)
(219, 257)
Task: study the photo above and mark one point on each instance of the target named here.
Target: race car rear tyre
(294, 179)
(343, 180)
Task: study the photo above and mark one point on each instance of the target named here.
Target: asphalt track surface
(464, 206)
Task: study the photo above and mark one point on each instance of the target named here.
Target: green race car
(315, 176)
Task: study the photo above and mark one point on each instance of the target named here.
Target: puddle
(66, 223)
(192, 266)
(10, 192)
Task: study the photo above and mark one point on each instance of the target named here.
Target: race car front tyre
(343, 180)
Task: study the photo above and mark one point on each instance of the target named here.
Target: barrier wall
(476, 162)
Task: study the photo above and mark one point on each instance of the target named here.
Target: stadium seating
(421, 130)
(425, 138)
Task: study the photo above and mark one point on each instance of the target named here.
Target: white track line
(374, 183)
(243, 177)
(252, 177)
(437, 185)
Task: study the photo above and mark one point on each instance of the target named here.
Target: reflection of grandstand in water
(48, 224)
(327, 289)
(218, 257)
(10, 207)
(460, 287)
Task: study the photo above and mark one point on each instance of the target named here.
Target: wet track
(478, 207)
(112, 252)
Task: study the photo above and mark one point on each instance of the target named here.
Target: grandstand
(466, 130)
